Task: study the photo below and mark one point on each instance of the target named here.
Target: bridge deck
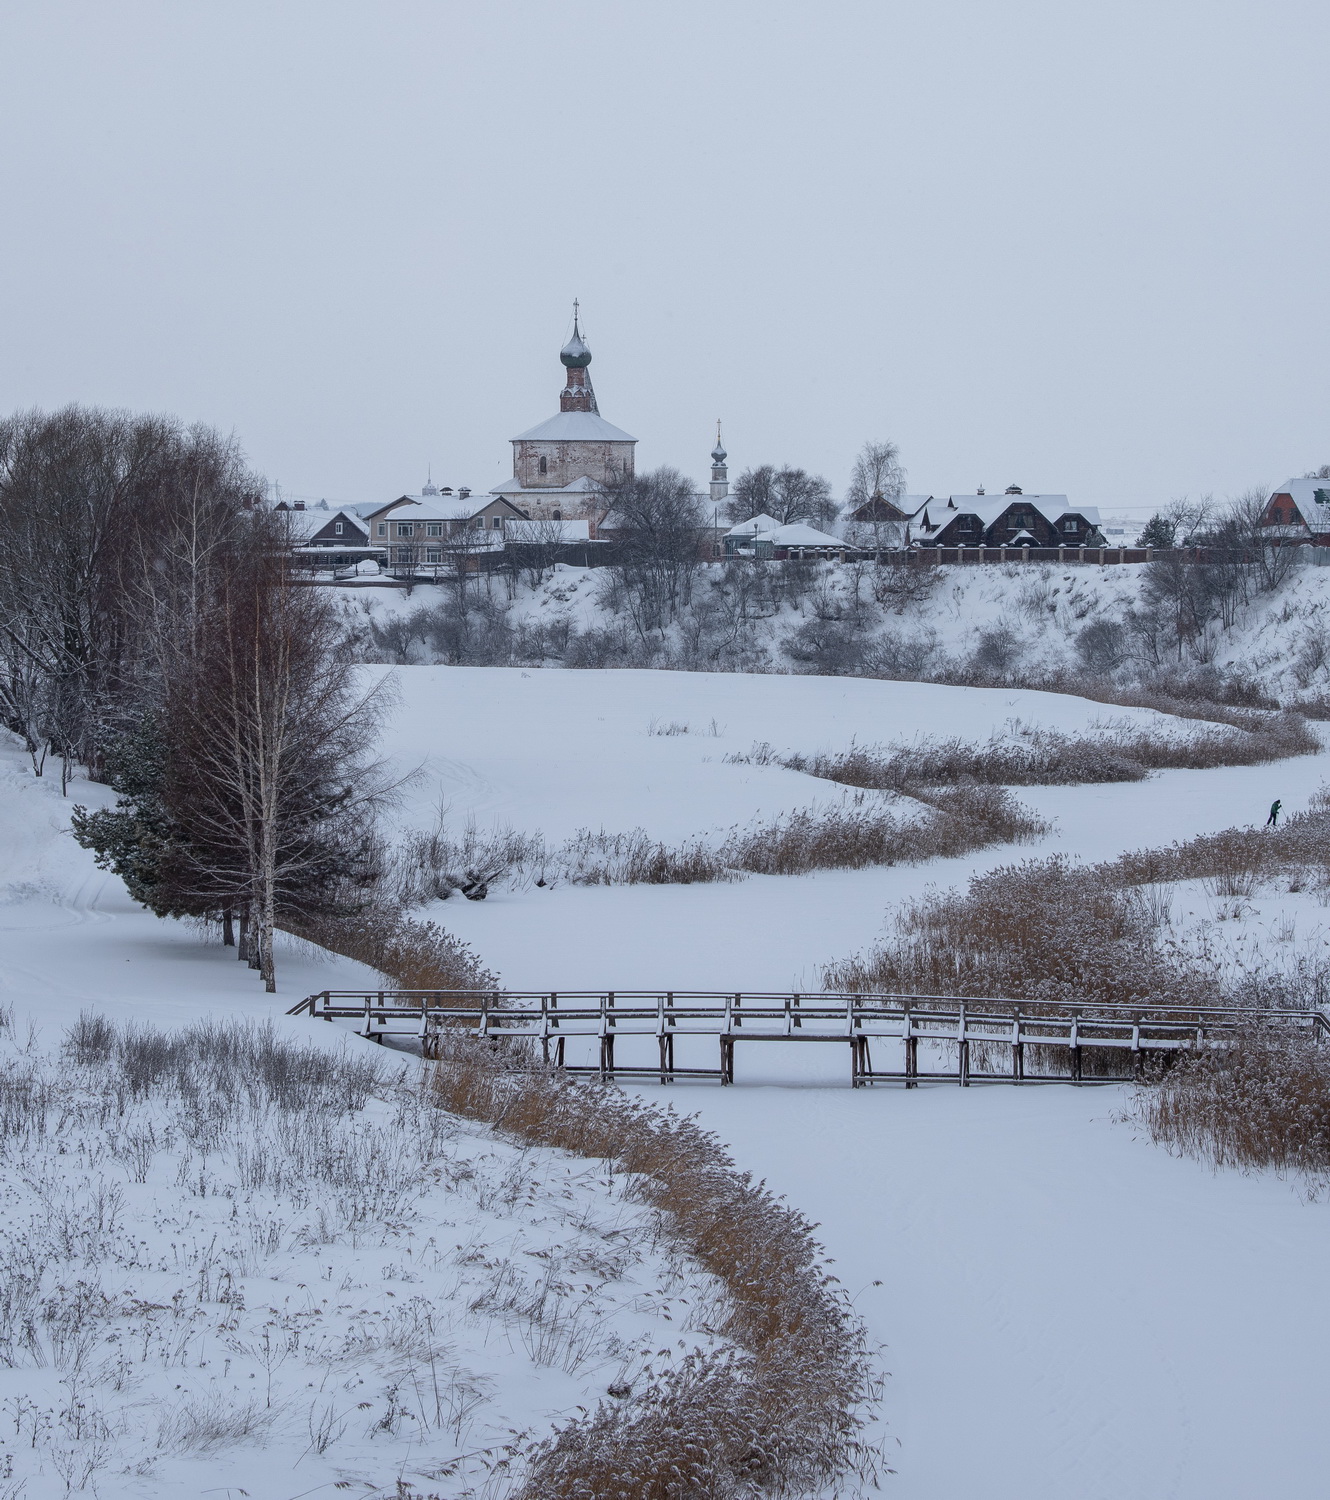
(916, 1038)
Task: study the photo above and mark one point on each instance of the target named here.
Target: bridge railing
(965, 1037)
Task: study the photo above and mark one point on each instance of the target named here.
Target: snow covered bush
(1045, 932)
(1264, 1101)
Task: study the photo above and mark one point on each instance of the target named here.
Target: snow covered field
(202, 1293)
(556, 751)
(1065, 1310)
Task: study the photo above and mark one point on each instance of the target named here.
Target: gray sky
(1076, 246)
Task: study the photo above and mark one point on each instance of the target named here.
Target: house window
(1071, 524)
(965, 523)
(406, 528)
(382, 528)
(433, 554)
(434, 528)
(496, 522)
(404, 554)
(337, 528)
(544, 464)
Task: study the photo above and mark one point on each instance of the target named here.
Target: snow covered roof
(547, 531)
(436, 507)
(938, 513)
(754, 524)
(581, 488)
(799, 534)
(303, 524)
(1303, 493)
(575, 427)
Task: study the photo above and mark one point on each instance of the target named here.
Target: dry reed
(412, 954)
(784, 1411)
(1262, 1102)
(1044, 757)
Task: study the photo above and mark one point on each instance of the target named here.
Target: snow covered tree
(1159, 531)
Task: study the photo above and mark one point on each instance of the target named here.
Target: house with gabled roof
(1298, 512)
(1013, 519)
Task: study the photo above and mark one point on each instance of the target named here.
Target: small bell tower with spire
(720, 475)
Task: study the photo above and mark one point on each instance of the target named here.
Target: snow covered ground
(556, 751)
(202, 1294)
(1065, 1310)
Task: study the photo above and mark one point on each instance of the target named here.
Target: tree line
(151, 632)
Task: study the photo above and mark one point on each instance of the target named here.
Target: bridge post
(726, 1060)
(911, 1052)
(963, 1051)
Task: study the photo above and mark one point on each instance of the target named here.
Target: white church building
(561, 465)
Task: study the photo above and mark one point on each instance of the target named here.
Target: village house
(1298, 513)
(420, 530)
(320, 537)
(1012, 519)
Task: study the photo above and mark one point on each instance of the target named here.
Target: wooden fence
(900, 1038)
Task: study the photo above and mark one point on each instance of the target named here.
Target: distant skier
(1273, 820)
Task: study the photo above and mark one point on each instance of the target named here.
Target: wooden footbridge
(908, 1039)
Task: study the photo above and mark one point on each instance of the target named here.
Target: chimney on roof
(299, 505)
(1014, 489)
(463, 494)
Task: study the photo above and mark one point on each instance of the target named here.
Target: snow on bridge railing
(961, 1037)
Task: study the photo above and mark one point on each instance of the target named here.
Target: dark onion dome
(575, 353)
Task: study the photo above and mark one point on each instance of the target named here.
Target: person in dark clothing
(1273, 820)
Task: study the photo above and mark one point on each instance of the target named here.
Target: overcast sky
(1070, 245)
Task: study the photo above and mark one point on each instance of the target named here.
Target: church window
(557, 515)
(544, 464)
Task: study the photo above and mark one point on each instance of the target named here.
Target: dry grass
(1046, 932)
(1044, 757)
(1263, 1102)
(960, 819)
(783, 1412)
(411, 954)
(852, 837)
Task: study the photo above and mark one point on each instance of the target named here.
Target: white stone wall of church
(566, 462)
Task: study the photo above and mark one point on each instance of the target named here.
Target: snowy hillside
(1009, 621)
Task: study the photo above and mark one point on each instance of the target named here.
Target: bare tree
(877, 483)
(784, 494)
(659, 522)
(92, 563)
(269, 738)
